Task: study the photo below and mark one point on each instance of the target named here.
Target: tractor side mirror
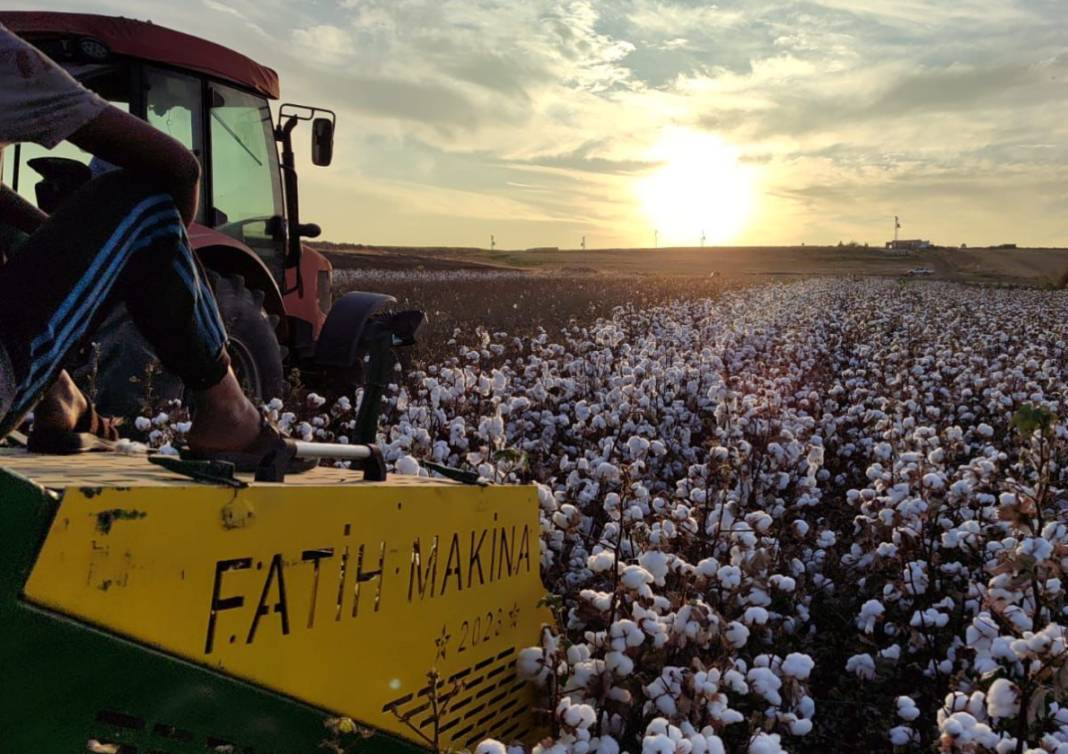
(322, 141)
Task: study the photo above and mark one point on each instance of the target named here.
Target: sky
(670, 122)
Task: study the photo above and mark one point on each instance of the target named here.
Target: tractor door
(174, 103)
(243, 180)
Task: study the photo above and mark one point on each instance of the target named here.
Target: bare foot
(62, 407)
(225, 419)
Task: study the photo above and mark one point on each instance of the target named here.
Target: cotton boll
(783, 583)
(906, 708)
(636, 579)
(737, 634)
(131, 448)
(901, 735)
(531, 665)
(656, 563)
(407, 466)
(1003, 699)
(798, 665)
(766, 743)
(755, 616)
(619, 663)
(604, 744)
(729, 576)
(658, 744)
(601, 561)
(491, 746)
(862, 665)
(764, 682)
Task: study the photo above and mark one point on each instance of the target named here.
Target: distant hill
(1007, 265)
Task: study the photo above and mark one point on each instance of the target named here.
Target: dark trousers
(115, 240)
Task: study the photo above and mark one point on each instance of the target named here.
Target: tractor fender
(227, 256)
(339, 339)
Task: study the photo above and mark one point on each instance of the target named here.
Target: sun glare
(701, 194)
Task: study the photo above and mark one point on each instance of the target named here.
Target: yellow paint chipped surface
(341, 595)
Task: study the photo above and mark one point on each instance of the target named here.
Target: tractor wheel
(123, 375)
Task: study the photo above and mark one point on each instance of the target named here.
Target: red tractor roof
(145, 40)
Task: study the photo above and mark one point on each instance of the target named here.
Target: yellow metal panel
(343, 597)
(120, 470)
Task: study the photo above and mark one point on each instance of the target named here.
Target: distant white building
(908, 244)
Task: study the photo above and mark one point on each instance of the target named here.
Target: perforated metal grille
(485, 700)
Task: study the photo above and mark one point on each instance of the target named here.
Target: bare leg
(62, 407)
(225, 419)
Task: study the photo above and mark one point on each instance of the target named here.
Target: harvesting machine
(167, 608)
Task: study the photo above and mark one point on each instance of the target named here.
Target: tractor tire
(123, 376)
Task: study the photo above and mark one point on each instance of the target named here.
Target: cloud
(324, 43)
(847, 108)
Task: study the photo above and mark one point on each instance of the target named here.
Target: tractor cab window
(174, 103)
(245, 182)
(23, 163)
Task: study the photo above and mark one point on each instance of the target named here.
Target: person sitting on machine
(119, 238)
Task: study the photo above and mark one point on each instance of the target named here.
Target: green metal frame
(64, 683)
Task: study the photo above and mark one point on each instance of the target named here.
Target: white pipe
(332, 450)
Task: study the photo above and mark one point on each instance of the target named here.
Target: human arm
(19, 213)
(41, 103)
(130, 143)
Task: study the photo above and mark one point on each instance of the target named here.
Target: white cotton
(604, 744)
(737, 634)
(870, 612)
(658, 744)
(407, 466)
(755, 616)
(491, 746)
(766, 743)
(656, 563)
(862, 665)
(531, 664)
(130, 448)
(1003, 699)
(601, 561)
(636, 578)
(764, 682)
(906, 708)
(783, 583)
(142, 423)
(900, 735)
(798, 665)
(729, 576)
(619, 663)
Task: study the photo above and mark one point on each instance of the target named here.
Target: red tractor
(274, 292)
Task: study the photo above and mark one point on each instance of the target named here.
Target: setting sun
(702, 192)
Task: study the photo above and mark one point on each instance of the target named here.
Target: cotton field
(820, 516)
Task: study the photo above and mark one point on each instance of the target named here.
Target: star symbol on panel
(513, 615)
(442, 643)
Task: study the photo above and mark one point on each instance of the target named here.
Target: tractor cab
(274, 292)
